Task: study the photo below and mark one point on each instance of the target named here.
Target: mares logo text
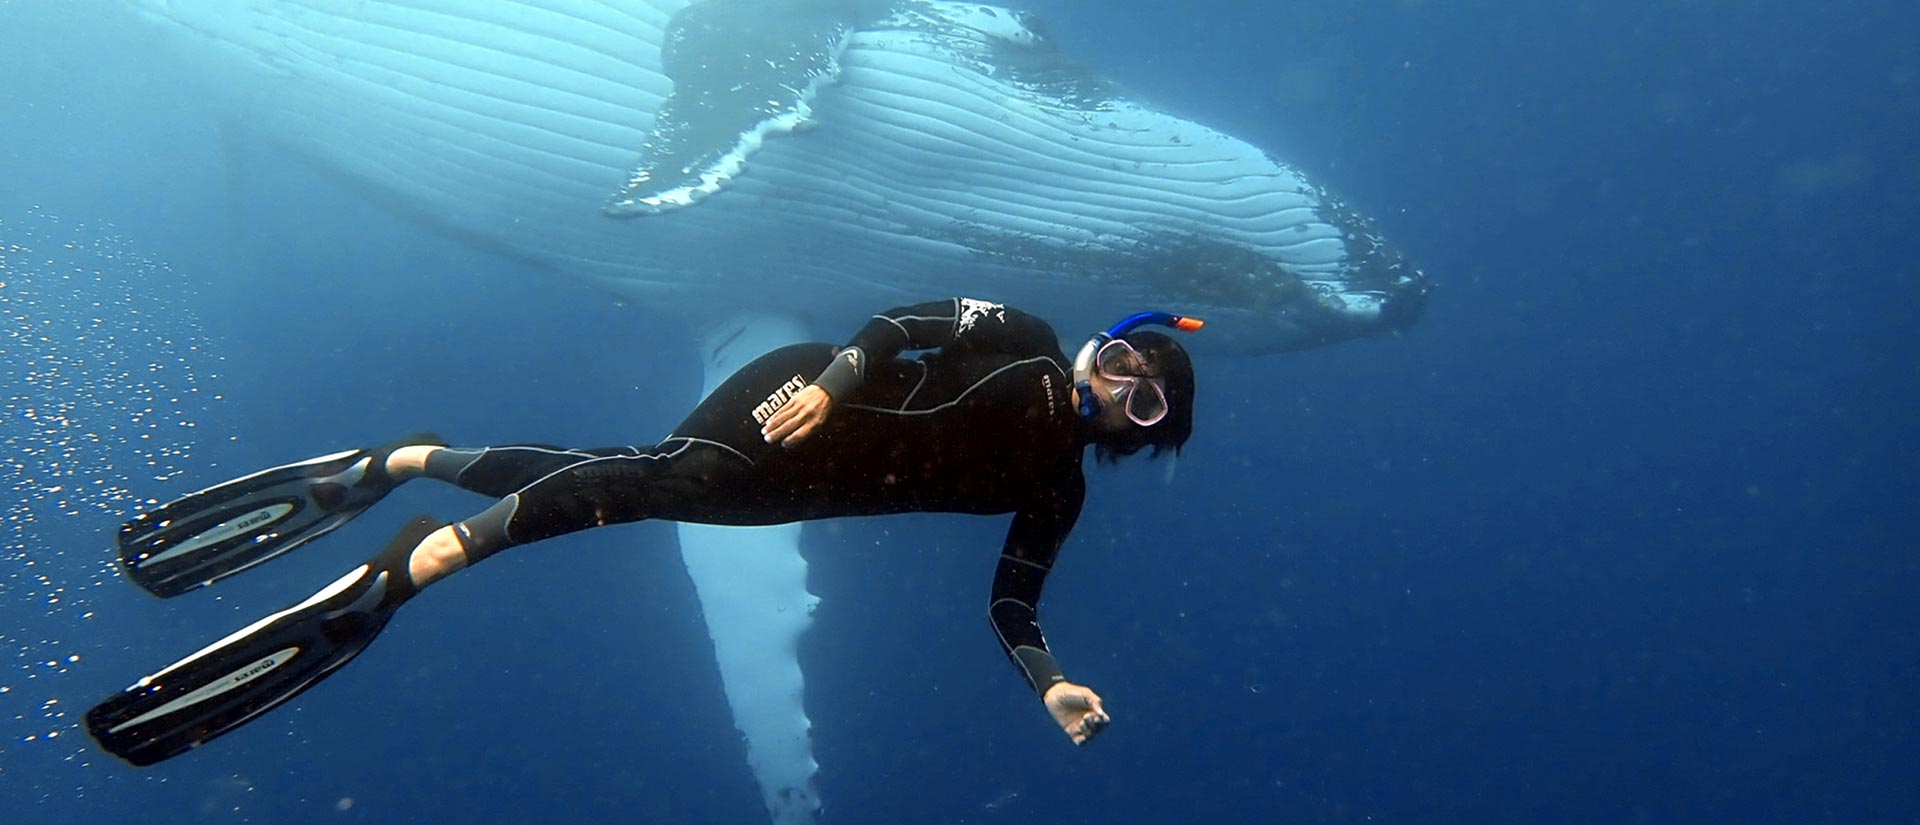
(777, 399)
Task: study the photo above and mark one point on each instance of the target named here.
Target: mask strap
(1083, 374)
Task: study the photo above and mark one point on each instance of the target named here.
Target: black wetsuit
(983, 424)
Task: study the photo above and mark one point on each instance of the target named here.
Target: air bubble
(103, 360)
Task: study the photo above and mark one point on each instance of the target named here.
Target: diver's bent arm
(934, 325)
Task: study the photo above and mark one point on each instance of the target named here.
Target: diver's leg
(706, 471)
(231, 681)
(730, 416)
(680, 479)
(236, 679)
(490, 471)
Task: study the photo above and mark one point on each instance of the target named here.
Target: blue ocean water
(1621, 531)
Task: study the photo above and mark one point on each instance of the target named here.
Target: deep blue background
(1622, 531)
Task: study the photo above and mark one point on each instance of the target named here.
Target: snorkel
(1083, 363)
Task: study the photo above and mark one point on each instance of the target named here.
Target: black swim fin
(263, 665)
(206, 536)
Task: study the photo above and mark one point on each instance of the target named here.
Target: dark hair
(1167, 361)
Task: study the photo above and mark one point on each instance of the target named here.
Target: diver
(993, 419)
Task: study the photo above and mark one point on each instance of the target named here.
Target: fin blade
(261, 666)
(217, 532)
(220, 688)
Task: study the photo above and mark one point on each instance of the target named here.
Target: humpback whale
(757, 166)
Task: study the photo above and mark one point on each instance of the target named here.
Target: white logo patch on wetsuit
(972, 310)
(777, 399)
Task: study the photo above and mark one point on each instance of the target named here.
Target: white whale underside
(516, 122)
(931, 170)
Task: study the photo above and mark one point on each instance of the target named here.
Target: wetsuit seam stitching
(963, 393)
(596, 459)
(1012, 649)
(481, 454)
(1030, 563)
(897, 325)
(506, 524)
(485, 450)
(691, 440)
(916, 386)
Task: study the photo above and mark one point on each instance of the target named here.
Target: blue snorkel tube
(1083, 363)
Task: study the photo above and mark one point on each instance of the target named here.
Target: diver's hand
(1078, 711)
(803, 414)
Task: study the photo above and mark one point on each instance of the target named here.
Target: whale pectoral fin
(752, 585)
(741, 70)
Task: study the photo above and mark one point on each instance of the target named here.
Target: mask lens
(1146, 402)
(1118, 361)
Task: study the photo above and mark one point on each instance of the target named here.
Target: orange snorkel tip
(1185, 324)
